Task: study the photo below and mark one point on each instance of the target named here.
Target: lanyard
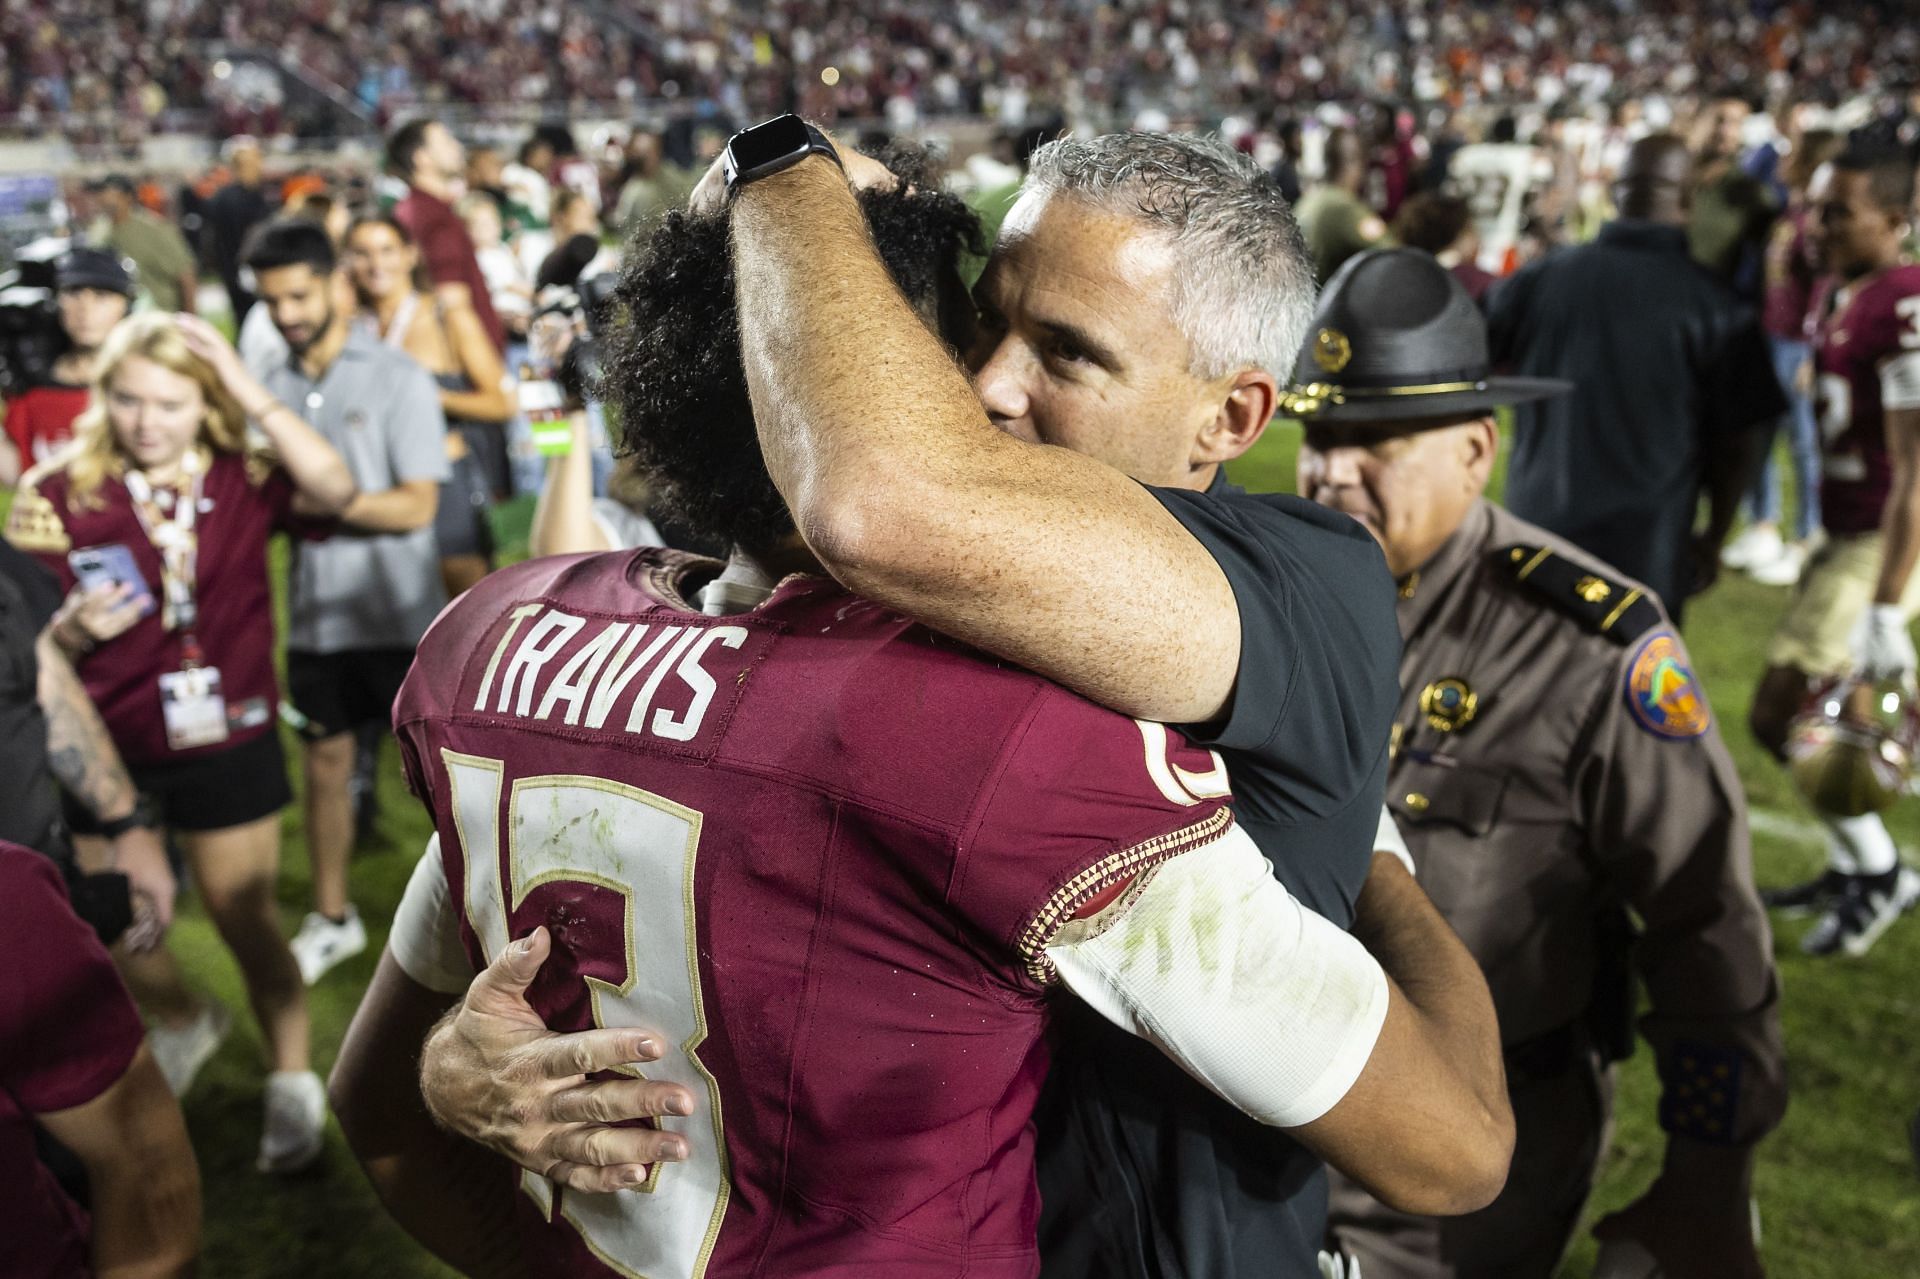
(173, 537)
(395, 333)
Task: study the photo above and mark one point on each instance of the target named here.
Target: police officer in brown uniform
(1559, 779)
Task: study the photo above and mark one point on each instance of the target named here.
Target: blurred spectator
(1620, 466)
(1443, 226)
(648, 185)
(358, 602)
(508, 283)
(231, 214)
(51, 733)
(178, 655)
(484, 166)
(95, 289)
(74, 1064)
(1335, 221)
(577, 251)
(528, 183)
(1732, 210)
(1285, 171)
(1793, 270)
(430, 160)
(440, 330)
(164, 266)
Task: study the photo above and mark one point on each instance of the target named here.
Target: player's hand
(1696, 1219)
(1882, 648)
(142, 858)
(94, 616)
(492, 1071)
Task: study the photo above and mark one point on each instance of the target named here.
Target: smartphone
(97, 566)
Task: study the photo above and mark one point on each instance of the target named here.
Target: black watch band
(139, 818)
(770, 147)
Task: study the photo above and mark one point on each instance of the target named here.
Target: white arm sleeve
(1213, 962)
(425, 940)
(1390, 840)
(1900, 382)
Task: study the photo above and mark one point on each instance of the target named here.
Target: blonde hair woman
(156, 520)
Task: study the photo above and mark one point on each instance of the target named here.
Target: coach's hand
(493, 1072)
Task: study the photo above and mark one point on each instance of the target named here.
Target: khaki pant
(1561, 1124)
(1816, 635)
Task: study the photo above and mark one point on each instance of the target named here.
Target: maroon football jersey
(239, 512)
(1861, 326)
(822, 849)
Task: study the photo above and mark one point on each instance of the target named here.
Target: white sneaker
(296, 1121)
(181, 1051)
(1757, 544)
(321, 943)
(1865, 910)
(1783, 569)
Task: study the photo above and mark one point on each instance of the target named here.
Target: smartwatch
(766, 149)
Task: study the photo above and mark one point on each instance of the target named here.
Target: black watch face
(776, 140)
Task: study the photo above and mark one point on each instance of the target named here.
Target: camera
(581, 312)
(30, 334)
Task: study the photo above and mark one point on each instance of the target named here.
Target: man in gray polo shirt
(360, 600)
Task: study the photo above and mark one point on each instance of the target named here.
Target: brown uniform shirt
(1579, 770)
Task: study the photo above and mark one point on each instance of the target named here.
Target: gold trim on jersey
(1046, 923)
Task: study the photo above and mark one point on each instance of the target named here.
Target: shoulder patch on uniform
(1611, 608)
(1662, 692)
(34, 525)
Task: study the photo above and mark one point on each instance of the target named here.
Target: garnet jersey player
(841, 863)
(1857, 594)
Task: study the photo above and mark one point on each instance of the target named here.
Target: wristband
(138, 819)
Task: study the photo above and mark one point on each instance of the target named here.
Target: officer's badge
(1331, 350)
(1449, 704)
(1663, 694)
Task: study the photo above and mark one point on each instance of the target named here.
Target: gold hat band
(1305, 401)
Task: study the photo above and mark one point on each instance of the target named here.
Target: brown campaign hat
(1396, 338)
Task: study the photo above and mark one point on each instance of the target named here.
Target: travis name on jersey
(566, 670)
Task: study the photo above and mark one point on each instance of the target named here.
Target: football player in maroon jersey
(838, 861)
(1851, 608)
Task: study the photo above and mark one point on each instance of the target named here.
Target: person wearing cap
(1554, 766)
(163, 262)
(1673, 387)
(95, 287)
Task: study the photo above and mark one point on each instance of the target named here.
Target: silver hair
(1243, 284)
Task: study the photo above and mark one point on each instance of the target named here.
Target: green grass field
(1836, 1185)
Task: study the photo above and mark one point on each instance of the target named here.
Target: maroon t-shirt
(235, 626)
(447, 250)
(819, 844)
(1861, 326)
(41, 420)
(1792, 272)
(68, 1032)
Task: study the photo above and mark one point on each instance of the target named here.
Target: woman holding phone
(165, 506)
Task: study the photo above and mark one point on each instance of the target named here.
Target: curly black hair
(674, 376)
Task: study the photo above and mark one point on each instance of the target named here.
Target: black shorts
(232, 787)
(462, 524)
(338, 692)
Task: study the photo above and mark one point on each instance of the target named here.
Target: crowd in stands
(69, 61)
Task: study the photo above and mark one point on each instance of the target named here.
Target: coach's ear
(1247, 403)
